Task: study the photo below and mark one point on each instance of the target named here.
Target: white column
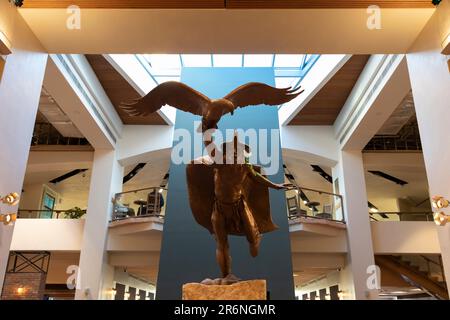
(95, 274)
(20, 89)
(430, 82)
(352, 186)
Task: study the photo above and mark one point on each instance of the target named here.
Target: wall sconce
(20, 290)
(11, 199)
(127, 295)
(340, 294)
(8, 218)
(440, 218)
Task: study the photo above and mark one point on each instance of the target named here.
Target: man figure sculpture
(229, 196)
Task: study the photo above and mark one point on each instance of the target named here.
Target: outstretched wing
(175, 94)
(255, 93)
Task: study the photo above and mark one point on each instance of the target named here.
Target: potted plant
(75, 213)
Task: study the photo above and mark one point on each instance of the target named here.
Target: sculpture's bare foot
(229, 279)
(210, 282)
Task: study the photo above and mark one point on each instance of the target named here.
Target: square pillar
(349, 173)
(430, 83)
(20, 89)
(95, 275)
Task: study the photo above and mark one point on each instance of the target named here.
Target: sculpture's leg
(222, 252)
(251, 229)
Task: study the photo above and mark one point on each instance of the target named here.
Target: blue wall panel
(188, 250)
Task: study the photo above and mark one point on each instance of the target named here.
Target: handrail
(314, 190)
(427, 214)
(303, 196)
(142, 189)
(39, 211)
(123, 211)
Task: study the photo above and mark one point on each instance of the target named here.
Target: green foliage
(75, 213)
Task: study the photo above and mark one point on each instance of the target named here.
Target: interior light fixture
(127, 295)
(439, 202)
(8, 218)
(441, 218)
(11, 199)
(340, 294)
(20, 290)
(161, 190)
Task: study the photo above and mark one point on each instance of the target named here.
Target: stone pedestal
(243, 290)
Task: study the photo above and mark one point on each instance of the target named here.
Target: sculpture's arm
(259, 178)
(209, 143)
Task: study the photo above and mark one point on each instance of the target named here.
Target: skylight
(196, 60)
(227, 60)
(258, 60)
(288, 60)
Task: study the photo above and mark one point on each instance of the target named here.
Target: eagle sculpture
(183, 97)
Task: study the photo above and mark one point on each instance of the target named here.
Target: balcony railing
(401, 216)
(310, 203)
(46, 134)
(301, 202)
(140, 203)
(50, 214)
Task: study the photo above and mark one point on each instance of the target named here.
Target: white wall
(405, 237)
(47, 234)
(139, 142)
(315, 144)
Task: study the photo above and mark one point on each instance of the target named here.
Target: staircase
(418, 271)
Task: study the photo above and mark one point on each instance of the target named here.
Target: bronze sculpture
(183, 97)
(229, 197)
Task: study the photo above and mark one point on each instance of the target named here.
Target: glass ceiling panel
(227, 60)
(281, 82)
(152, 69)
(165, 79)
(196, 60)
(164, 61)
(288, 60)
(258, 60)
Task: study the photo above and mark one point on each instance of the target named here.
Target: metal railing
(140, 203)
(401, 216)
(49, 214)
(316, 204)
(46, 134)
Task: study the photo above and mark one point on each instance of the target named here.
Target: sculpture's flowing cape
(200, 180)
